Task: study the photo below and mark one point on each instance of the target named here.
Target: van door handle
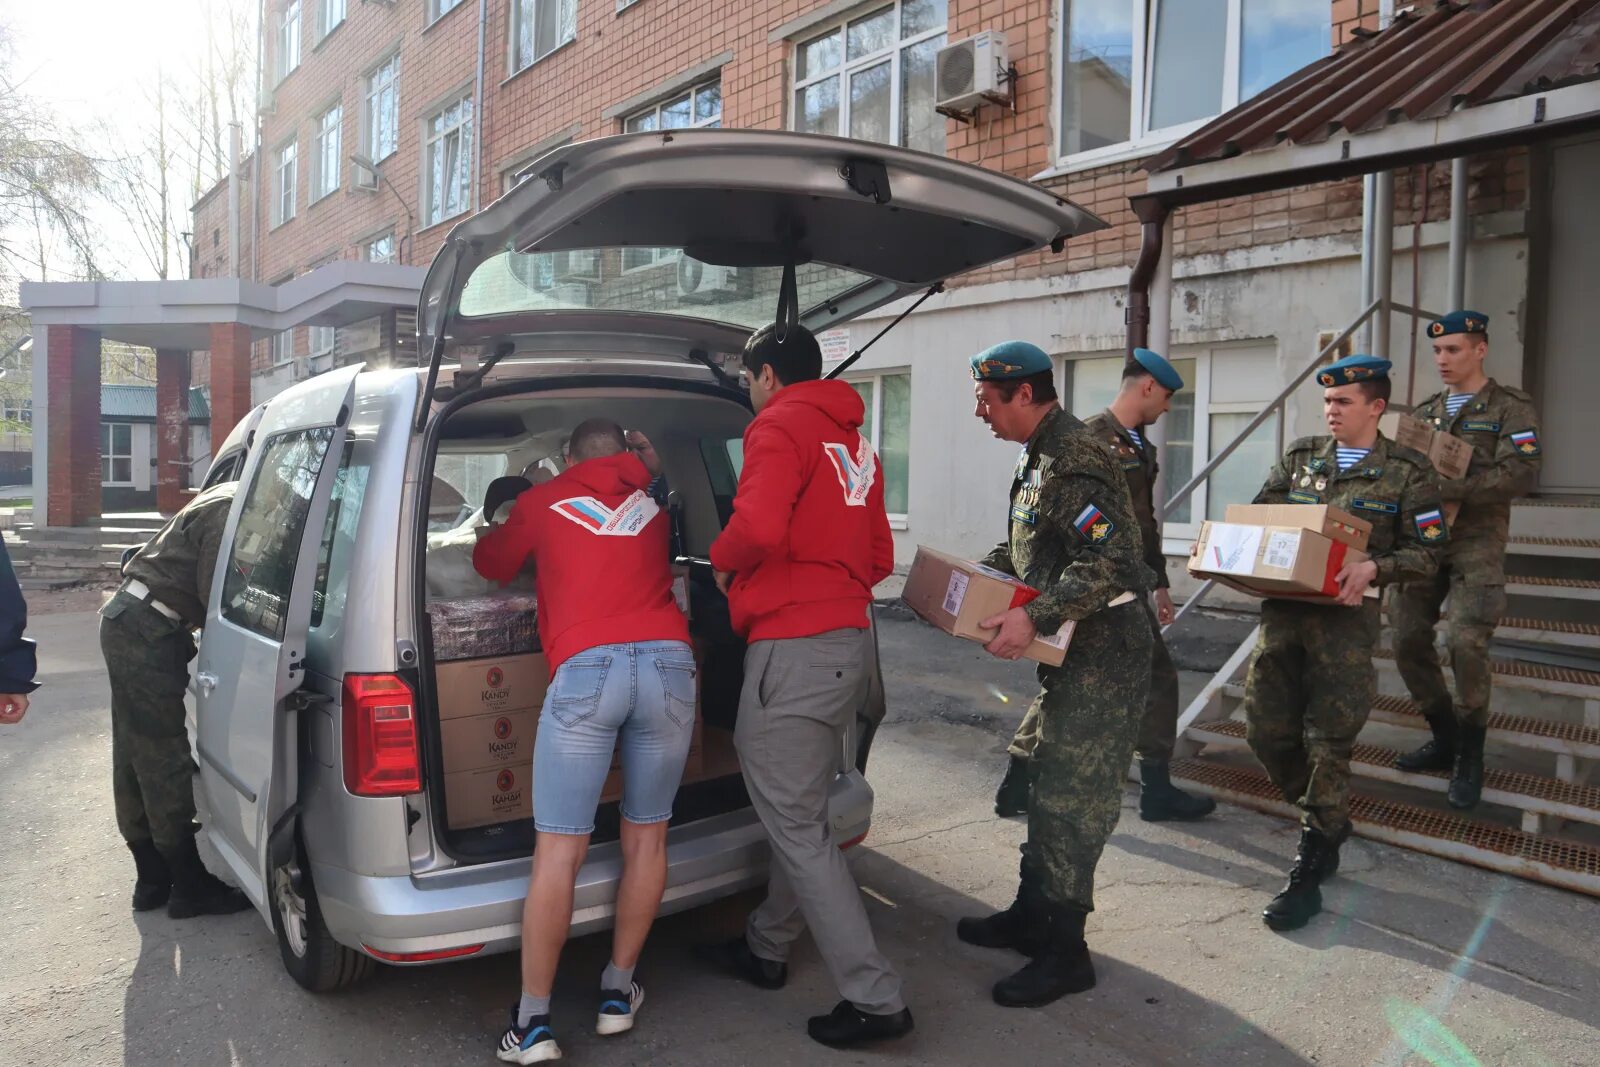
(206, 680)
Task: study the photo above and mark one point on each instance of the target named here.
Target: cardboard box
(1283, 562)
(481, 741)
(956, 595)
(491, 686)
(489, 795)
(1324, 518)
(1450, 455)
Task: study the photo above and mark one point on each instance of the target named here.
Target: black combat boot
(195, 890)
(1161, 801)
(1301, 898)
(1012, 797)
(1438, 754)
(1013, 928)
(1061, 967)
(153, 882)
(1467, 785)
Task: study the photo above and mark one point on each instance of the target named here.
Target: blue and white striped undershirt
(1456, 401)
(1136, 438)
(1349, 457)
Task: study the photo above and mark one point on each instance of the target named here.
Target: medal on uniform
(1022, 464)
(1322, 483)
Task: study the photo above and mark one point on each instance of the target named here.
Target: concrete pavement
(1417, 961)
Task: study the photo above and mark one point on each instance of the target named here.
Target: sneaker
(534, 1043)
(617, 1010)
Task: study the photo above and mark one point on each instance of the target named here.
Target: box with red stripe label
(956, 595)
(1280, 562)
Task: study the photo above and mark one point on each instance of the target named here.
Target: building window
(326, 152)
(116, 453)
(379, 249)
(18, 411)
(329, 14)
(447, 166)
(539, 27)
(383, 110)
(282, 347)
(289, 39)
(888, 426)
(322, 339)
(439, 8)
(285, 174)
(700, 106)
(873, 77)
(1144, 72)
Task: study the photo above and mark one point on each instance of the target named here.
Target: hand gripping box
(957, 595)
(1290, 560)
(1449, 454)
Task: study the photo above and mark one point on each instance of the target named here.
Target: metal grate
(1550, 626)
(1511, 724)
(1553, 583)
(1514, 668)
(1559, 502)
(1556, 542)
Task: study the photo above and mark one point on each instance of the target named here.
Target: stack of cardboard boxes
(1287, 551)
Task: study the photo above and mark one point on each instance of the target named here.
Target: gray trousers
(799, 698)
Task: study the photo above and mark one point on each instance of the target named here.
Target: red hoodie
(809, 537)
(599, 543)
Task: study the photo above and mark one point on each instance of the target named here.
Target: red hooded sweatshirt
(809, 537)
(599, 544)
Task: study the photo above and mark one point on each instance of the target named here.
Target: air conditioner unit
(972, 72)
(579, 265)
(267, 102)
(366, 179)
(705, 282)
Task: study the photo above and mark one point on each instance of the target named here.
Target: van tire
(309, 952)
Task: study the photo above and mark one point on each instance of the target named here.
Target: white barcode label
(1283, 546)
(1058, 639)
(955, 593)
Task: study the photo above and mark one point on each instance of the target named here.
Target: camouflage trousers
(1088, 717)
(147, 658)
(1475, 610)
(1158, 730)
(1309, 692)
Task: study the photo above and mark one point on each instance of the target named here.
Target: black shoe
(195, 890)
(1161, 801)
(847, 1026)
(1466, 787)
(735, 958)
(1438, 753)
(1013, 795)
(1062, 966)
(1301, 897)
(153, 883)
(1013, 928)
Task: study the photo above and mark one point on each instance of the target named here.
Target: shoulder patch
(1526, 441)
(1430, 525)
(1092, 525)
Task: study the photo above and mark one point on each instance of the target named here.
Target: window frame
(109, 456)
(515, 14)
(891, 54)
(326, 26)
(281, 350)
(289, 33)
(692, 92)
(314, 333)
(898, 520)
(372, 90)
(429, 140)
(366, 247)
(285, 181)
(438, 9)
(321, 189)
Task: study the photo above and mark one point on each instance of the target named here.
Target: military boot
(1301, 898)
(153, 882)
(1467, 785)
(1013, 928)
(195, 890)
(1437, 754)
(1061, 967)
(1161, 801)
(1012, 797)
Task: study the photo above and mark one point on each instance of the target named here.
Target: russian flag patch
(1430, 525)
(1526, 442)
(1092, 525)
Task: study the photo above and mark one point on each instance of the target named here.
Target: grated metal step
(1511, 789)
(1558, 500)
(1559, 588)
(1546, 676)
(1565, 864)
(1554, 547)
(1549, 626)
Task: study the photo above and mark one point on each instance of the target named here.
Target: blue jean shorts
(642, 694)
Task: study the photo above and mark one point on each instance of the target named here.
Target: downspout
(255, 155)
(480, 109)
(1460, 233)
(1153, 218)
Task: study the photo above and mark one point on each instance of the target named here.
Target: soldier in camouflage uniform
(146, 636)
(1148, 383)
(1503, 429)
(1311, 682)
(1073, 536)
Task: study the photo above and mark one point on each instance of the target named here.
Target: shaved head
(594, 438)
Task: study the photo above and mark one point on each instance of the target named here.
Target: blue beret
(1459, 322)
(1163, 372)
(1352, 369)
(1009, 360)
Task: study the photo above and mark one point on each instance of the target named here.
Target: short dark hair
(1133, 369)
(1377, 389)
(501, 490)
(1044, 387)
(797, 358)
(593, 438)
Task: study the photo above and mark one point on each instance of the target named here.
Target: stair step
(1552, 861)
(1563, 588)
(1524, 674)
(1548, 632)
(1543, 735)
(1510, 789)
(1572, 547)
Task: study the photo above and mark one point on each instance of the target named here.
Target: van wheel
(310, 954)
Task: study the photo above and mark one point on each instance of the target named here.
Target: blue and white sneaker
(617, 1010)
(534, 1043)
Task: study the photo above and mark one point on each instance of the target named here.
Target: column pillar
(230, 379)
(72, 359)
(172, 429)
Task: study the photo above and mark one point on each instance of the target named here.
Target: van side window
(339, 539)
(266, 545)
(224, 470)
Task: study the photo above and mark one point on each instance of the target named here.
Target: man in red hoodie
(618, 646)
(808, 540)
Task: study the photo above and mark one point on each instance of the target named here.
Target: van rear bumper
(481, 904)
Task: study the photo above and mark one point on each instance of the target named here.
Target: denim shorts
(641, 693)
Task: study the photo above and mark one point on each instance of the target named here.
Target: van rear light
(380, 736)
(423, 957)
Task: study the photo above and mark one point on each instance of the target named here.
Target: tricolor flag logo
(1526, 442)
(856, 473)
(1093, 525)
(627, 519)
(1430, 525)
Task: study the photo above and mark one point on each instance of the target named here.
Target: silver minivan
(620, 279)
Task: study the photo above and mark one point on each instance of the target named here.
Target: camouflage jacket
(1394, 488)
(179, 561)
(1073, 532)
(1503, 430)
(1139, 466)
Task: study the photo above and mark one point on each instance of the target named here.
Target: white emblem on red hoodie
(627, 519)
(855, 475)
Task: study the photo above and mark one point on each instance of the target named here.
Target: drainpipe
(1161, 341)
(1382, 262)
(1153, 217)
(235, 135)
(480, 110)
(1369, 186)
(1460, 233)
